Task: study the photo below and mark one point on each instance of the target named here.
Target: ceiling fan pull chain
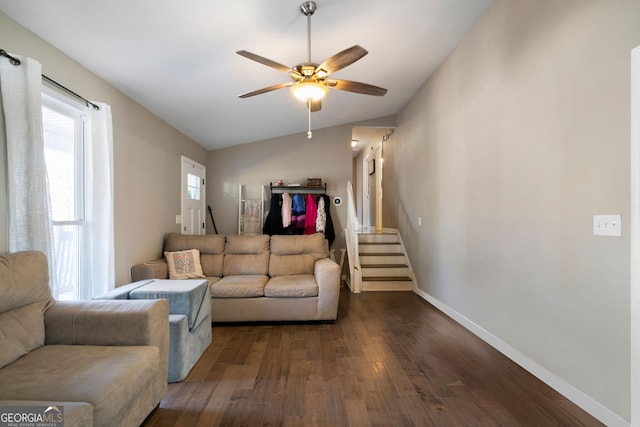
(309, 133)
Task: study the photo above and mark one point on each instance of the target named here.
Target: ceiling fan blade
(316, 105)
(265, 90)
(263, 60)
(357, 87)
(342, 59)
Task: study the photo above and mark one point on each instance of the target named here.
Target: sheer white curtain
(29, 210)
(99, 200)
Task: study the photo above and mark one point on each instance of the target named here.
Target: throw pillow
(184, 264)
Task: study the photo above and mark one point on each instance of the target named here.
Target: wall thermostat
(337, 201)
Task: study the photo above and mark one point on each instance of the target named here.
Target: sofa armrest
(157, 269)
(327, 274)
(110, 323)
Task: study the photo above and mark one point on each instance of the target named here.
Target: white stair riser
(379, 248)
(382, 259)
(386, 286)
(385, 272)
(378, 238)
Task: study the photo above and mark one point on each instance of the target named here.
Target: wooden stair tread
(381, 254)
(383, 266)
(373, 233)
(387, 279)
(378, 243)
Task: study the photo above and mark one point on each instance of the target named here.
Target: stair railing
(351, 233)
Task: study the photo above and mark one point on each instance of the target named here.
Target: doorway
(192, 197)
(372, 189)
(367, 174)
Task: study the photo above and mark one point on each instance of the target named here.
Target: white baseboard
(588, 404)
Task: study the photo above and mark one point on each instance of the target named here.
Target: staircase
(384, 264)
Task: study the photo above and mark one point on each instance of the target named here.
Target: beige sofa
(104, 362)
(260, 278)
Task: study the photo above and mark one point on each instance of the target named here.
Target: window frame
(63, 104)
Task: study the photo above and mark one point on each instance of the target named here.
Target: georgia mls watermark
(31, 416)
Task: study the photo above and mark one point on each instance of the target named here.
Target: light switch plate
(178, 219)
(607, 225)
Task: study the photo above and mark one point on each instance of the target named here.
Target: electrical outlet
(607, 225)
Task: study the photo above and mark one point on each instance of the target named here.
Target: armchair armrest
(110, 323)
(107, 322)
(327, 275)
(156, 269)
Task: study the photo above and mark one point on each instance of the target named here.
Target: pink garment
(286, 210)
(311, 215)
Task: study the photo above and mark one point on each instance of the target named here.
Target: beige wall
(507, 152)
(146, 153)
(293, 158)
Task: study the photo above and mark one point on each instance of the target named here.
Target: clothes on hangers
(321, 219)
(286, 210)
(298, 214)
(310, 215)
(329, 232)
(273, 223)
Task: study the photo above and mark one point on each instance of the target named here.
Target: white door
(193, 197)
(372, 190)
(366, 194)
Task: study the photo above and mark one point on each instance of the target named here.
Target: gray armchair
(105, 362)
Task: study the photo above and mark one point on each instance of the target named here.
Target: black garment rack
(316, 189)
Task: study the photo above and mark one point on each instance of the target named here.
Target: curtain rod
(16, 61)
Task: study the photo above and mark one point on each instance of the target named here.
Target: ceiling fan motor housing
(308, 8)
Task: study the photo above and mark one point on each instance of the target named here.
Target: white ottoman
(189, 317)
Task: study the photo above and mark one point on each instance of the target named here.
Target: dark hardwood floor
(391, 359)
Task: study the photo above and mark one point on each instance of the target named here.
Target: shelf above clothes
(279, 189)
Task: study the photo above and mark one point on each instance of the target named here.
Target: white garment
(286, 210)
(321, 219)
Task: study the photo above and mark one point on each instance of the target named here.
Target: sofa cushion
(244, 286)
(99, 375)
(24, 279)
(184, 264)
(292, 286)
(21, 331)
(211, 247)
(292, 255)
(246, 255)
(213, 280)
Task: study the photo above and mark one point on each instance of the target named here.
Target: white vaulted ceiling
(178, 59)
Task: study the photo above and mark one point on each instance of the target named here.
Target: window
(64, 139)
(193, 186)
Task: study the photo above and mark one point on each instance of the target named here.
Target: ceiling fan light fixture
(309, 91)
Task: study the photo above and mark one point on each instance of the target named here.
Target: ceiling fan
(309, 81)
